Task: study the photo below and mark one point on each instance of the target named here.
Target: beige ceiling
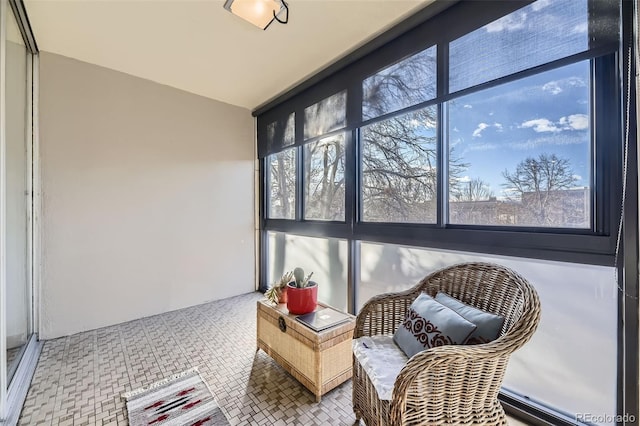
(197, 46)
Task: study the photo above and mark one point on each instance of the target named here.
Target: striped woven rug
(180, 400)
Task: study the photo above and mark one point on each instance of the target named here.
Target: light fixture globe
(260, 13)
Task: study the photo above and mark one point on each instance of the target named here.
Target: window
(282, 185)
(399, 168)
(324, 178)
(281, 133)
(492, 139)
(409, 82)
(539, 128)
(536, 34)
(325, 116)
(324, 159)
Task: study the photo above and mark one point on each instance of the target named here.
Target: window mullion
(299, 183)
(352, 158)
(299, 136)
(443, 167)
(442, 87)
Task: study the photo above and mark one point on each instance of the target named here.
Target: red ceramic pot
(302, 300)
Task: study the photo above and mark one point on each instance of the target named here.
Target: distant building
(569, 208)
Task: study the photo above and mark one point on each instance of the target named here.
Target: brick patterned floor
(12, 354)
(79, 378)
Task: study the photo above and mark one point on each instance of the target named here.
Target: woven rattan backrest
(454, 384)
(490, 287)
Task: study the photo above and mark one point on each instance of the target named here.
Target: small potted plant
(302, 294)
(278, 292)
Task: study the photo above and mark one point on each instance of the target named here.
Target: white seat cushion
(382, 360)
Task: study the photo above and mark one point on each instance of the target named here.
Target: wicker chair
(453, 385)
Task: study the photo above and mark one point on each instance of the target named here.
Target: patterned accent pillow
(489, 325)
(428, 324)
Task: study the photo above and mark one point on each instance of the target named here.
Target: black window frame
(593, 246)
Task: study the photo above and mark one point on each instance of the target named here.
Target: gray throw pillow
(489, 325)
(428, 324)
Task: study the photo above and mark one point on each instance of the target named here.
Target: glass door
(18, 196)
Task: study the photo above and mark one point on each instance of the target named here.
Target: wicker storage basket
(319, 360)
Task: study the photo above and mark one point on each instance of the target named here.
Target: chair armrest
(383, 314)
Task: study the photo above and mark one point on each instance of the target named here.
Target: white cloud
(549, 139)
(481, 147)
(540, 4)
(577, 177)
(541, 125)
(511, 22)
(464, 179)
(455, 129)
(576, 122)
(552, 87)
(558, 86)
(477, 133)
(571, 122)
(575, 82)
(580, 28)
(468, 106)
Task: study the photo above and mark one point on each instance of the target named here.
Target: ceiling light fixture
(260, 13)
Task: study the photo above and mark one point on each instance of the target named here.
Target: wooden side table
(319, 360)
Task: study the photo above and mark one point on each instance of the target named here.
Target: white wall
(148, 197)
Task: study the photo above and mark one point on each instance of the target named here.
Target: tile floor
(12, 354)
(12, 361)
(79, 378)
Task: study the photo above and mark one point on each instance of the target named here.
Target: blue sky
(494, 130)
